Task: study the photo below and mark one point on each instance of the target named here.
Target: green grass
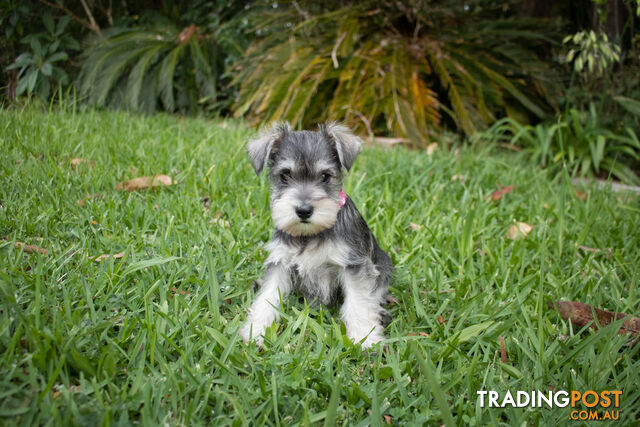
(152, 337)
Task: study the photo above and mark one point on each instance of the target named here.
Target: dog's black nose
(304, 211)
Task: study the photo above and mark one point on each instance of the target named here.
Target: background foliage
(577, 140)
(412, 70)
(38, 66)
(173, 63)
(409, 68)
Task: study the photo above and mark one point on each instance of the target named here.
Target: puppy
(321, 246)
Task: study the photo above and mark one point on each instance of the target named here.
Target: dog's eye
(325, 177)
(285, 175)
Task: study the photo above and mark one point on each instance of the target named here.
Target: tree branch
(90, 16)
(73, 16)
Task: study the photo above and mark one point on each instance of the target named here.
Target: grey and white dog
(321, 245)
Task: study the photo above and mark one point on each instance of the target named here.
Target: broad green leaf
(47, 19)
(629, 104)
(58, 56)
(32, 79)
(46, 69)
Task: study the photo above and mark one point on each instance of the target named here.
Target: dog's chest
(316, 267)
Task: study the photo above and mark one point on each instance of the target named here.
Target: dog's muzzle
(304, 212)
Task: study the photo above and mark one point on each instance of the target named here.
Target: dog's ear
(261, 146)
(347, 144)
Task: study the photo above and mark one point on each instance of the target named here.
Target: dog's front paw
(252, 332)
(374, 337)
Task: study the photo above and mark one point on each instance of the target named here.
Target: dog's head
(305, 170)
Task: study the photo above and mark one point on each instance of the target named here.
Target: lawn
(151, 337)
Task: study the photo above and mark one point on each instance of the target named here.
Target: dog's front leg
(361, 310)
(276, 284)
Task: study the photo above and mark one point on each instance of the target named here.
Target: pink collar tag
(343, 199)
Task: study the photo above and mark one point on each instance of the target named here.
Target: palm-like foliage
(394, 67)
(139, 68)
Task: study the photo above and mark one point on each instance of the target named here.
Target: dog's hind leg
(276, 285)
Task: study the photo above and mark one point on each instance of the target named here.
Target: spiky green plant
(390, 67)
(146, 68)
(577, 139)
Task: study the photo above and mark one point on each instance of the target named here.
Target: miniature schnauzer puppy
(321, 245)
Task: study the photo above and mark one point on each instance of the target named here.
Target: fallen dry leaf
(30, 249)
(580, 314)
(440, 319)
(175, 291)
(77, 161)
(206, 202)
(423, 334)
(581, 195)
(387, 419)
(503, 352)
(220, 221)
(501, 191)
(457, 178)
(391, 300)
(431, 148)
(386, 141)
(88, 197)
(145, 182)
(510, 147)
(186, 33)
(518, 230)
(105, 256)
(58, 387)
(595, 250)
(217, 219)
(414, 226)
